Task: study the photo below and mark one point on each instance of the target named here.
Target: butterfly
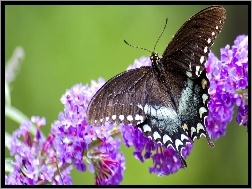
(168, 100)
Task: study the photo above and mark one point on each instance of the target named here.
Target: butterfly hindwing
(163, 124)
(193, 108)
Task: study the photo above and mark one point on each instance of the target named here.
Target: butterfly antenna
(161, 33)
(136, 46)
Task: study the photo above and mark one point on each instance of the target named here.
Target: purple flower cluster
(165, 160)
(35, 158)
(107, 164)
(228, 87)
(76, 140)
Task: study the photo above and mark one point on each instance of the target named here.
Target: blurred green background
(66, 45)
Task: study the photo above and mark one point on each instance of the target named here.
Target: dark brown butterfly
(167, 100)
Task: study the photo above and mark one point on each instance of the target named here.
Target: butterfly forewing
(190, 46)
(119, 99)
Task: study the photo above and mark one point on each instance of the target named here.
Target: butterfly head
(154, 57)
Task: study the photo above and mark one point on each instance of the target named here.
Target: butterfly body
(167, 100)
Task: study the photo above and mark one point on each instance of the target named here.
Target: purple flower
(134, 137)
(165, 161)
(228, 87)
(107, 163)
(64, 178)
(143, 61)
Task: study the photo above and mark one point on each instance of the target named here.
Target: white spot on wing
(138, 117)
(216, 27)
(213, 33)
(113, 117)
(121, 117)
(209, 40)
(197, 70)
(156, 135)
(205, 49)
(146, 128)
(204, 97)
(202, 59)
(101, 120)
(189, 74)
(178, 143)
(107, 118)
(184, 137)
(200, 127)
(166, 138)
(202, 110)
(193, 130)
(129, 118)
